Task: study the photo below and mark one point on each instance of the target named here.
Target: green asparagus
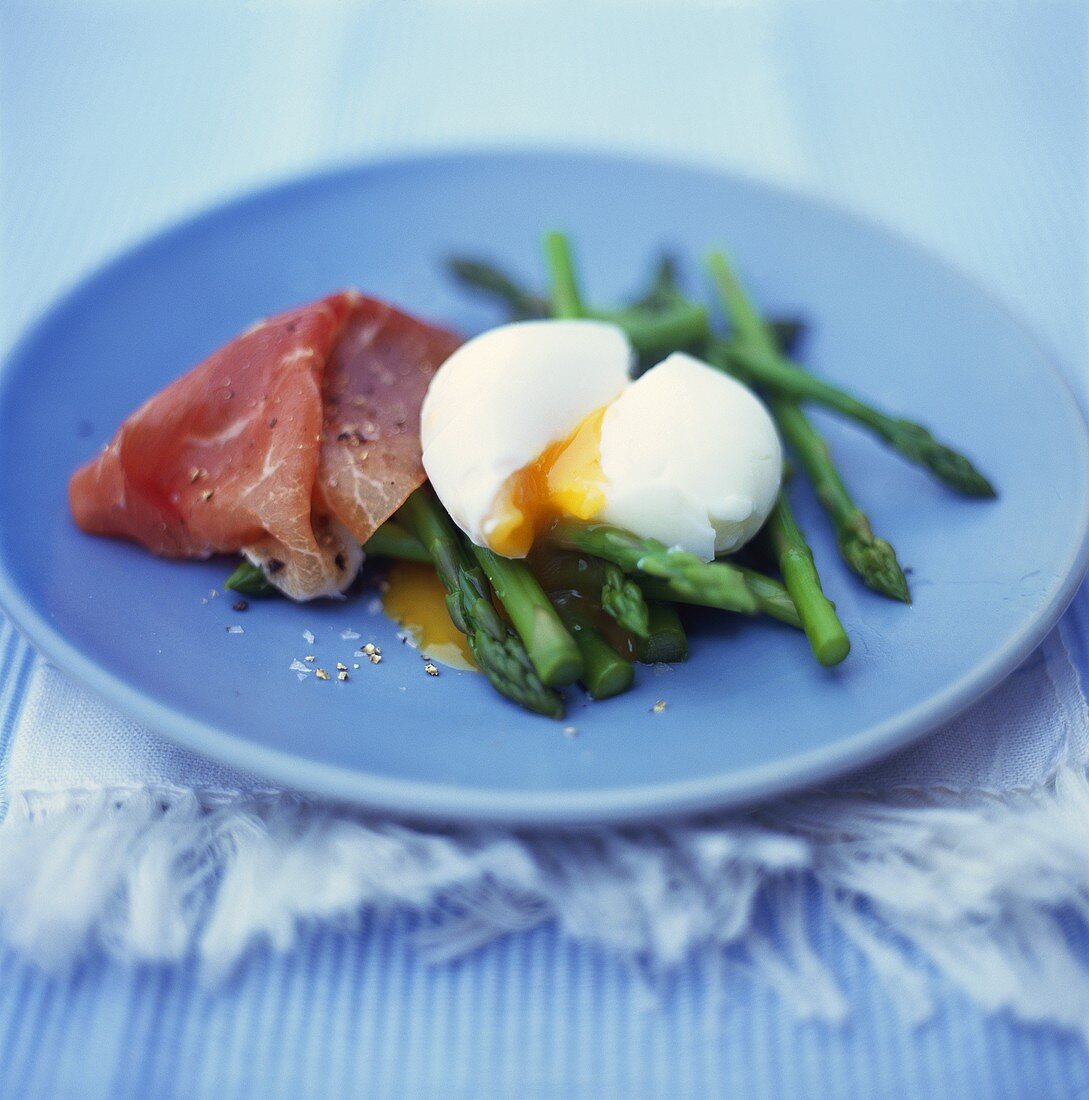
(680, 325)
(486, 278)
(666, 641)
(754, 355)
(391, 540)
(825, 632)
(715, 584)
(249, 580)
(771, 595)
(651, 329)
(603, 582)
(566, 299)
(604, 671)
(550, 647)
(498, 651)
(872, 558)
(664, 289)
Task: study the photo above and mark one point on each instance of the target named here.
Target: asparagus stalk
(604, 671)
(551, 648)
(666, 641)
(679, 325)
(756, 356)
(664, 289)
(825, 632)
(620, 596)
(249, 580)
(771, 595)
(498, 651)
(691, 579)
(486, 278)
(566, 299)
(872, 558)
(391, 540)
(651, 329)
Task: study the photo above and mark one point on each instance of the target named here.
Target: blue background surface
(962, 125)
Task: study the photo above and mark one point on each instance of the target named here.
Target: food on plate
(538, 420)
(414, 596)
(589, 472)
(291, 444)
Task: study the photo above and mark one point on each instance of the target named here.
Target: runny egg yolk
(565, 480)
(415, 598)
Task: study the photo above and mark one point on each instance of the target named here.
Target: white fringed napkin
(965, 849)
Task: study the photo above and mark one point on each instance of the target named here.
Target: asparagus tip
(874, 560)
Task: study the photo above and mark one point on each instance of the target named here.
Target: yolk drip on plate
(415, 598)
(566, 480)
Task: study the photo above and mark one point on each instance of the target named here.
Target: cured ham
(291, 444)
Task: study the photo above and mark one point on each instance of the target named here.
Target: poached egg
(539, 420)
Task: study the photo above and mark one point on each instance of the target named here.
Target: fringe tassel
(159, 874)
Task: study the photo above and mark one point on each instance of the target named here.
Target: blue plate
(750, 714)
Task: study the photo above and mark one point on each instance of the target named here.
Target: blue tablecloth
(962, 125)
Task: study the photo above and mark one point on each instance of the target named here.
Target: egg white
(691, 458)
(503, 397)
(689, 455)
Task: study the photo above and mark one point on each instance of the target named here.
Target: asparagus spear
(391, 540)
(566, 300)
(552, 650)
(825, 632)
(249, 580)
(498, 651)
(487, 278)
(756, 356)
(664, 327)
(622, 600)
(715, 584)
(620, 597)
(872, 558)
(666, 641)
(771, 595)
(681, 324)
(664, 290)
(604, 671)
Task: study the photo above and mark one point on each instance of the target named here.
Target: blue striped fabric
(962, 125)
(355, 1014)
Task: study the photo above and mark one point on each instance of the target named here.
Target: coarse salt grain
(349, 635)
(297, 666)
(308, 637)
(235, 630)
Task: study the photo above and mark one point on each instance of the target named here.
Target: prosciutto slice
(292, 444)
